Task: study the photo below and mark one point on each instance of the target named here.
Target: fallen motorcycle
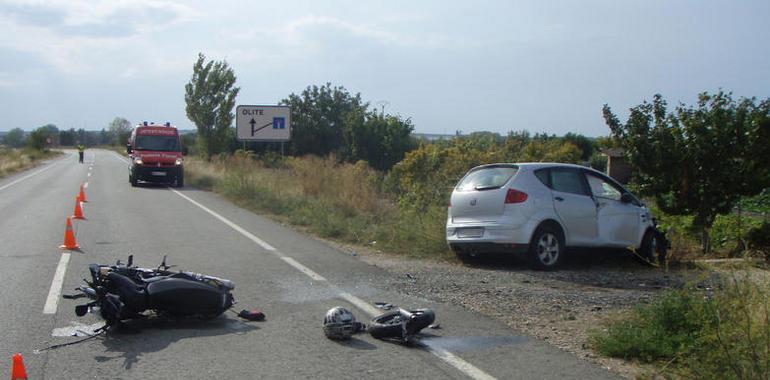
(123, 292)
(401, 325)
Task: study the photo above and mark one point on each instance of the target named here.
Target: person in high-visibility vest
(81, 151)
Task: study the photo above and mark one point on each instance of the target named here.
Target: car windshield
(160, 143)
(487, 178)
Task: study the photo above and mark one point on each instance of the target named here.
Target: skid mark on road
(448, 357)
(54, 293)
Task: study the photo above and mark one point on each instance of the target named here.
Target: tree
(38, 139)
(550, 150)
(381, 140)
(317, 118)
(697, 160)
(585, 144)
(14, 138)
(68, 137)
(210, 97)
(119, 130)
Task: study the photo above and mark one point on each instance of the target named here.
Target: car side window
(603, 189)
(568, 181)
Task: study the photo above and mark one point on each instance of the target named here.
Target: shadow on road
(607, 268)
(356, 343)
(154, 186)
(138, 337)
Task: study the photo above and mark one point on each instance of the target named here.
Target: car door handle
(560, 199)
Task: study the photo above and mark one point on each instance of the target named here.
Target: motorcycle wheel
(388, 325)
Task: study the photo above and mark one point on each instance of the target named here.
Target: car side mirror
(184, 150)
(626, 198)
(128, 148)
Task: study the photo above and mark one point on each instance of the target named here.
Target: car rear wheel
(546, 248)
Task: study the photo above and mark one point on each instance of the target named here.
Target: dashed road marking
(54, 293)
(455, 361)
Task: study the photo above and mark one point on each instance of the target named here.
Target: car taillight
(515, 196)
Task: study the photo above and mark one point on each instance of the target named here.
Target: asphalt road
(292, 278)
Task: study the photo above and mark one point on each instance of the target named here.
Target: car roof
(538, 165)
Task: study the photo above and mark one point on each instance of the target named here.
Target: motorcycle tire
(388, 325)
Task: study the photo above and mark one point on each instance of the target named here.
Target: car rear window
(487, 178)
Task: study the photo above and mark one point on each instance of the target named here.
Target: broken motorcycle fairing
(123, 292)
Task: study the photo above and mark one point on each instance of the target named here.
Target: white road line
(85, 185)
(56, 284)
(31, 175)
(303, 269)
(455, 361)
(361, 304)
(120, 158)
(232, 225)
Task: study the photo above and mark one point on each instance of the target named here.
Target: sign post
(263, 123)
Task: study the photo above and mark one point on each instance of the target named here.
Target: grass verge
(333, 200)
(720, 333)
(15, 160)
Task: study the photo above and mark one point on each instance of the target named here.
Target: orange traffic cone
(78, 213)
(69, 237)
(18, 372)
(82, 195)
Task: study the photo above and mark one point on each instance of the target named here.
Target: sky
(500, 66)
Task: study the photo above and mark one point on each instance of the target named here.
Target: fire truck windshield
(157, 143)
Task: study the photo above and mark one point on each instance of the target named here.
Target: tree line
(698, 160)
(50, 135)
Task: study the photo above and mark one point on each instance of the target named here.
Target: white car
(539, 209)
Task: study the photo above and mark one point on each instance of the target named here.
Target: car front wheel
(652, 250)
(546, 249)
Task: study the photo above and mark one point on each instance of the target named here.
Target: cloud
(77, 13)
(78, 36)
(304, 27)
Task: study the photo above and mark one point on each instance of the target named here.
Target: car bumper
(156, 174)
(482, 238)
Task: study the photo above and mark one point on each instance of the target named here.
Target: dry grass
(15, 160)
(334, 200)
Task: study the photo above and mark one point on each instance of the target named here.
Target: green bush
(656, 331)
(731, 231)
(759, 237)
(757, 204)
(692, 333)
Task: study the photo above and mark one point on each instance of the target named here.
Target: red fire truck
(155, 151)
